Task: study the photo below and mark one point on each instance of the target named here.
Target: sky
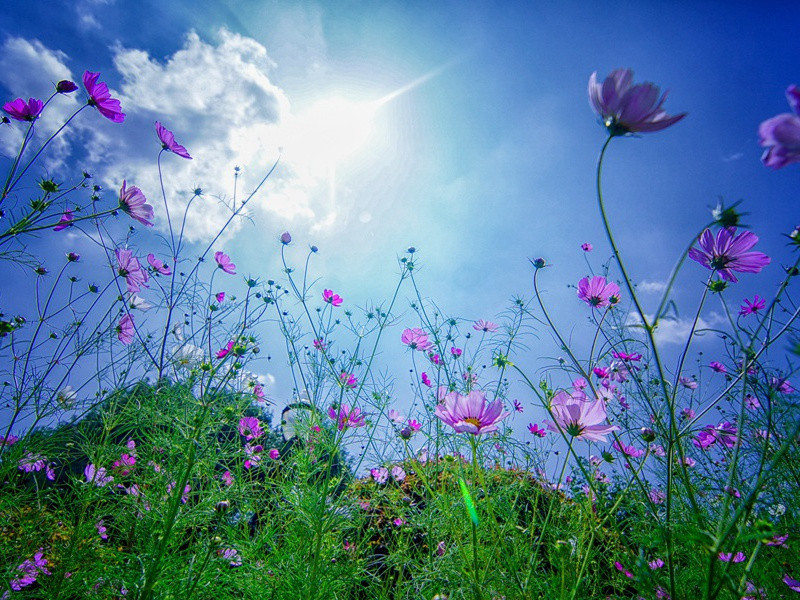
(481, 148)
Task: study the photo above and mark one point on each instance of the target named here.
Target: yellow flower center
(473, 421)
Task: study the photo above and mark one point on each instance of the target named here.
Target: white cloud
(676, 330)
(651, 287)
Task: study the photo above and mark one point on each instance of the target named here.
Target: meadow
(141, 457)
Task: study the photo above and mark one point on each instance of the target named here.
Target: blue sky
(484, 165)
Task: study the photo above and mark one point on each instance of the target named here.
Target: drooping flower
(24, 111)
(130, 268)
(470, 413)
(168, 142)
(750, 308)
(580, 417)
(158, 264)
(250, 428)
(484, 326)
(100, 98)
(133, 202)
(655, 564)
(36, 462)
(416, 339)
(728, 252)
(65, 220)
(751, 402)
(618, 565)
(346, 417)
(227, 478)
(597, 292)
(126, 329)
(224, 262)
(102, 531)
(725, 434)
(31, 569)
(331, 298)
(780, 135)
(626, 108)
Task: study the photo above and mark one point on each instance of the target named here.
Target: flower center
(574, 429)
(719, 262)
(473, 421)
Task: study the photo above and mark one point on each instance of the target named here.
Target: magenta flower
(65, 220)
(750, 308)
(471, 413)
(597, 292)
(286, 238)
(734, 558)
(348, 380)
(626, 108)
(484, 326)
(536, 430)
(456, 352)
(398, 473)
(518, 406)
(717, 367)
(274, 453)
(780, 135)
(158, 264)
(65, 86)
(224, 263)
(133, 202)
(24, 111)
(632, 357)
(168, 142)
(425, 379)
(729, 252)
(414, 425)
(627, 450)
(725, 434)
(100, 98)
(587, 247)
(416, 339)
(780, 384)
(346, 417)
(125, 329)
(220, 297)
(331, 298)
(580, 417)
(223, 352)
(227, 478)
(102, 530)
(252, 454)
(395, 417)
(129, 268)
(250, 428)
(320, 344)
(618, 565)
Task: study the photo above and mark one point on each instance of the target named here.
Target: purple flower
(734, 558)
(689, 384)
(223, 352)
(224, 263)
(126, 329)
(348, 380)
(725, 434)
(129, 268)
(518, 406)
(580, 417)
(133, 202)
(729, 252)
(780, 135)
(425, 379)
(31, 569)
(36, 462)
(158, 264)
(416, 339)
(626, 108)
(471, 413)
(101, 530)
(250, 428)
(65, 221)
(398, 473)
(750, 308)
(97, 475)
(597, 292)
(65, 86)
(780, 384)
(24, 111)
(586, 247)
(536, 430)
(168, 142)
(380, 475)
(100, 98)
(717, 367)
(627, 450)
(794, 584)
(331, 298)
(220, 297)
(253, 454)
(286, 238)
(484, 326)
(346, 417)
(274, 453)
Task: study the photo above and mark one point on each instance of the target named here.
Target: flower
(101, 530)
(286, 238)
(100, 98)
(24, 111)
(158, 264)
(734, 558)
(398, 473)
(724, 434)
(456, 352)
(227, 478)
(346, 417)
(65, 86)
(470, 413)
(587, 247)
(320, 344)
(536, 430)
(31, 569)
(780, 135)
(168, 141)
(751, 402)
(416, 339)
(125, 329)
(274, 453)
(133, 202)
(65, 220)
(414, 425)
(96, 475)
(425, 379)
(623, 570)
(518, 406)
(253, 454)
(250, 428)
(780, 384)
(484, 326)
(624, 356)
(220, 297)
(728, 252)
(223, 352)
(348, 380)
(395, 417)
(689, 384)
(380, 475)
(597, 292)
(627, 450)
(580, 417)
(717, 367)
(626, 108)
(331, 298)
(655, 564)
(750, 308)
(224, 263)
(794, 584)
(129, 268)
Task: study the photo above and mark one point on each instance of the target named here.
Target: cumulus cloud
(676, 330)
(652, 287)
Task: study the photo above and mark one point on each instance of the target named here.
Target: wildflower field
(148, 452)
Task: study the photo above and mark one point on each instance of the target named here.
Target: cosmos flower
(331, 298)
(380, 475)
(416, 339)
(65, 221)
(750, 308)
(580, 417)
(126, 329)
(725, 434)
(252, 454)
(751, 402)
(101, 530)
(794, 584)
(626, 108)
(470, 413)
(100, 98)
(536, 430)
(623, 570)
(223, 352)
(518, 406)
(627, 450)
(734, 558)
(717, 367)
(133, 202)
(97, 475)
(780, 135)
(158, 264)
(320, 344)
(36, 462)
(485, 326)
(398, 473)
(395, 417)
(24, 111)
(414, 425)
(224, 263)
(274, 453)
(597, 292)
(587, 247)
(780, 384)
(456, 352)
(425, 379)
(348, 380)
(168, 142)
(250, 428)
(346, 417)
(689, 384)
(624, 356)
(130, 268)
(729, 252)
(65, 86)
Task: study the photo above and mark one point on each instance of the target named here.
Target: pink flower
(398, 473)
(456, 352)
(168, 142)
(331, 298)
(518, 406)
(158, 264)
(101, 530)
(597, 292)
(425, 379)
(750, 308)
(97, 475)
(220, 297)
(734, 558)
(484, 326)
(536, 430)
(100, 98)
(252, 454)
(224, 263)
(250, 428)
(399, 522)
(126, 329)
(626, 108)
(725, 434)
(586, 247)
(380, 475)
(65, 221)
(416, 339)
(24, 111)
(414, 425)
(346, 417)
(471, 413)
(751, 402)
(133, 202)
(717, 367)
(129, 268)
(627, 450)
(780, 135)
(274, 454)
(320, 344)
(623, 570)
(580, 417)
(223, 352)
(624, 356)
(655, 564)
(729, 252)
(395, 417)
(227, 478)
(780, 384)
(689, 384)
(348, 380)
